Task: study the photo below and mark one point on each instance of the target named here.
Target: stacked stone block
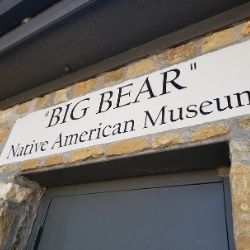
(19, 198)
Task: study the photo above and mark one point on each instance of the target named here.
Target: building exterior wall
(20, 198)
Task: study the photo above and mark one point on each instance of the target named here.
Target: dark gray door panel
(181, 217)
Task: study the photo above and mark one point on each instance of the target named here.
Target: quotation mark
(193, 66)
(47, 113)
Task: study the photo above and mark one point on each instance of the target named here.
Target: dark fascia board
(196, 157)
(6, 5)
(217, 22)
(41, 22)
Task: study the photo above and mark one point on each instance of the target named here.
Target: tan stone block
(84, 87)
(218, 40)
(208, 132)
(42, 102)
(54, 160)
(5, 114)
(127, 147)
(167, 140)
(30, 165)
(241, 204)
(114, 76)
(141, 67)
(245, 123)
(8, 168)
(4, 124)
(245, 31)
(84, 154)
(243, 227)
(240, 192)
(180, 53)
(245, 207)
(243, 242)
(23, 108)
(61, 96)
(3, 134)
(239, 169)
(6, 220)
(239, 185)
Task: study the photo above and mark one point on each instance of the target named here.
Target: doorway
(176, 211)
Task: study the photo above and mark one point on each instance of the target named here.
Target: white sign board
(211, 87)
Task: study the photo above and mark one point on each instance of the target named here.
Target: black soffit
(14, 12)
(98, 31)
(199, 157)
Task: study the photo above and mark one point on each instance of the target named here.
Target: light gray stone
(13, 192)
(6, 219)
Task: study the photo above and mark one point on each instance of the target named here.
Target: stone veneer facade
(20, 198)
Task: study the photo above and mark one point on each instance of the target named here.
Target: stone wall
(20, 198)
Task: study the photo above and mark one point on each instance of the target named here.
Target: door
(180, 211)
